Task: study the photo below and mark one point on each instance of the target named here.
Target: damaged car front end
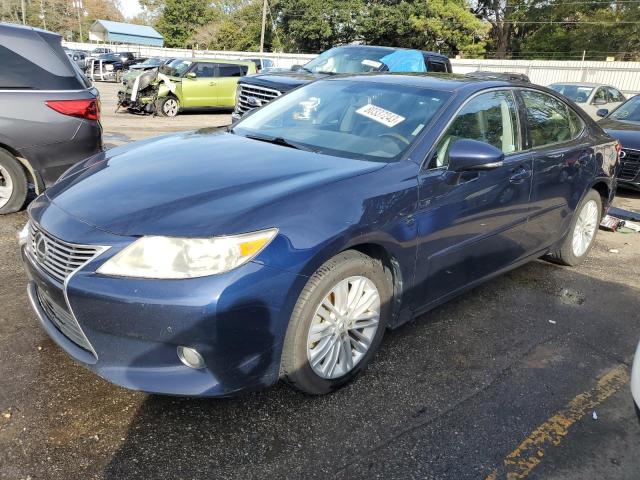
(141, 93)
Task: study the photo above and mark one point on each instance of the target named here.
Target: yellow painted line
(519, 463)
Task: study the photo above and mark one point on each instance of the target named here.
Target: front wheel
(168, 106)
(337, 323)
(13, 184)
(582, 232)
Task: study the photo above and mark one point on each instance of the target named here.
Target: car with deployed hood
(215, 261)
(49, 114)
(623, 123)
(257, 90)
(183, 84)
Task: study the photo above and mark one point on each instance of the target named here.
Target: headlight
(175, 258)
(108, 67)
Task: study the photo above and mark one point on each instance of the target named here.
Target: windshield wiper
(280, 141)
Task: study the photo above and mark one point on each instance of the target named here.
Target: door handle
(519, 175)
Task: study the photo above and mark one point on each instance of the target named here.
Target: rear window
(20, 72)
(229, 70)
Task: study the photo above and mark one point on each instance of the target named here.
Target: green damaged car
(184, 83)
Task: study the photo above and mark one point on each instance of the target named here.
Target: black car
(624, 124)
(256, 90)
(49, 113)
(111, 66)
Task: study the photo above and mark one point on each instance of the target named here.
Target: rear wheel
(168, 106)
(582, 232)
(13, 184)
(337, 324)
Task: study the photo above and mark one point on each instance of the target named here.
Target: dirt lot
(524, 377)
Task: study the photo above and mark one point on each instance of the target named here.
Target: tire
(13, 184)
(359, 274)
(168, 106)
(568, 254)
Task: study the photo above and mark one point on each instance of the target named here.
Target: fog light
(190, 357)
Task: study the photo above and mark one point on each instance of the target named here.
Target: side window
(204, 70)
(615, 95)
(433, 66)
(575, 123)
(601, 95)
(229, 70)
(491, 118)
(267, 63)
(244, 69)
(550, 120)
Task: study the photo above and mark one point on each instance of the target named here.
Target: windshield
(177, 68)
(152, 61)
(576, 93)
(366, 59)
(355, 119)
(109, 56)
(628, 111)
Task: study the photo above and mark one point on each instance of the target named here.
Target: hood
(282, 81)
(196, 184)
(628, 133)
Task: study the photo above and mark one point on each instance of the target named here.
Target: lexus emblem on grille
(254, 102)
(40, 244)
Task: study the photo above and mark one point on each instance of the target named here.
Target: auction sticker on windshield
(380, 115)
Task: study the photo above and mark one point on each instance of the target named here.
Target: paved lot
(501, 383)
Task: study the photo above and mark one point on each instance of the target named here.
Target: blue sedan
(213, 262)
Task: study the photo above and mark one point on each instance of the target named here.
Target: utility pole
(23, 15)
(264, 23)
(78, 5)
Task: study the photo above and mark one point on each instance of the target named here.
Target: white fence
(622, 75)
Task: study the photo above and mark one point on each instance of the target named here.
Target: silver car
(49, 113)
(635, 380)
(78, 57)
(591, 97)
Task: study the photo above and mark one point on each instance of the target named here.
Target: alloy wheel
(6, 186)
(343, 327)
(585, 228)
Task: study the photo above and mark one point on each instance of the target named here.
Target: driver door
(473, 224)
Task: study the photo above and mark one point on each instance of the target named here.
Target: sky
(130, 8)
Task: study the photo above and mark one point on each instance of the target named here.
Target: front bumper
(635, 377)
(237, 321)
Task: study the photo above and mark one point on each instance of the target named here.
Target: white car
(591, 97)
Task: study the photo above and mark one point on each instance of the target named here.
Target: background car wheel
(582, 232)
(337, 323)
(13, 184)
(168, 106)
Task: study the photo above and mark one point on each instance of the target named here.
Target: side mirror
(599, 101)
(602, 112)
(468, 155)
(191, 75)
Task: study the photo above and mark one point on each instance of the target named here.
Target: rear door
(563, 163)
(227, 76)
(200, 91)
(472, 224)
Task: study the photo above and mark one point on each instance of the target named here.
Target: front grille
(58, 258)
(630, 167)
(260, 95)
(63, 320)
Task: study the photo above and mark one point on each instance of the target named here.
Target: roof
(437, 81)
(391, 49)
(128, 32)
(581, 84)
(221, 60)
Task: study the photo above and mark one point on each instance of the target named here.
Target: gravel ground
(450, 395)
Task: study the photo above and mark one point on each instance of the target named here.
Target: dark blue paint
(444, 230)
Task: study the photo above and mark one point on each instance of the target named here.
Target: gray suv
(49, 113)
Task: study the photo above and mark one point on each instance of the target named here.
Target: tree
(180, 19)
